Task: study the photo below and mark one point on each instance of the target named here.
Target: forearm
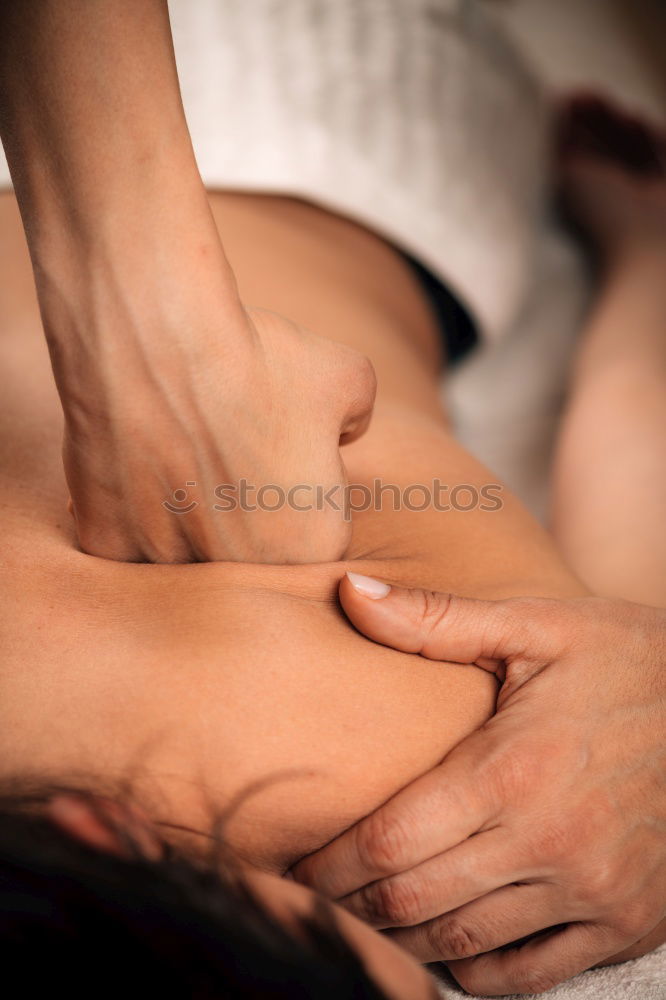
(123, 245)
(92, 120)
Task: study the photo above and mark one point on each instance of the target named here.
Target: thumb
(445, 627)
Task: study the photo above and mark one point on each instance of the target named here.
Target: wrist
(163, 301)
(148, 200)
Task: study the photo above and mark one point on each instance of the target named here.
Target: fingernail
(368, 586)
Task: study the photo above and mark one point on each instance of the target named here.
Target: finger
(640, 947)
(472, 869)
(503, 916)
(434, 813)
(445, 627)
(538, 965)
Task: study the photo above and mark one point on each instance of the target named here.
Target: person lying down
(174, 738)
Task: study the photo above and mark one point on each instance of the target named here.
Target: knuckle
(383, 844)
(431, 608)
(360, 381)
(452, 938)
(396, 902)
(601, 883)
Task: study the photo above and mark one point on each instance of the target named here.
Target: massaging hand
(208, 394)
(170, 387)
(553, 815)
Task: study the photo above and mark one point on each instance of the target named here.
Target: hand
(170, 388)
(200, 398)
(551, 816)
(613, 172)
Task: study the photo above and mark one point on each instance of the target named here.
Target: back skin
(200, 682)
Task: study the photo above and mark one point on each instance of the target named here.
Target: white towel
(414, 117)
(506, 399)
(418, 119)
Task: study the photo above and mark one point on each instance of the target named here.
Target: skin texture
(203, 679)
(74, 140)
(182, 673)
(480, 853)
(563, 787)
(140, 307)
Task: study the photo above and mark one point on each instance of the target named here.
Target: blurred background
(615, 45)
(506, 401)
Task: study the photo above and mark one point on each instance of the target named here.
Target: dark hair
(96, 924)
